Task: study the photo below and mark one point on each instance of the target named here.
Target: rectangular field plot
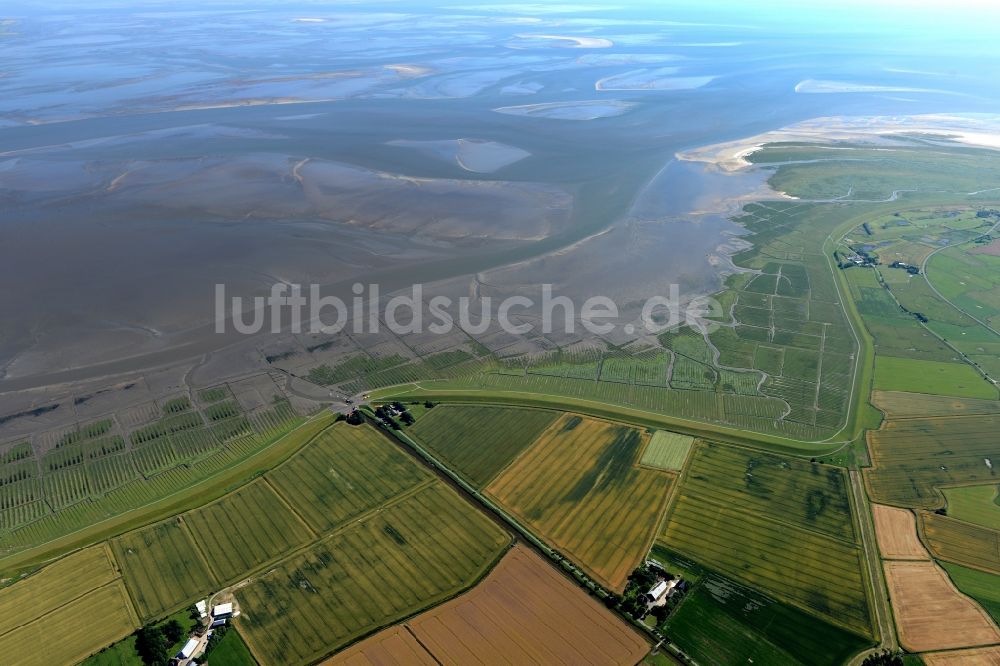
(666, 450)
(578, 487)
(524, 612)
(805, 567)
(911, 457)
(932, 377)
(343, 473)
(800, 493)
(55, 585)
(162, 568)
(74, 631)
(478, 442)
(245, 529)
(413, 554)
(964, 543)
(722, 622)
(899, 404)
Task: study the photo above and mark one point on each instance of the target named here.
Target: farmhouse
(659, 593)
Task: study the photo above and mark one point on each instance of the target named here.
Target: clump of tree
(884, 658)
(213, 641)
(153, 642)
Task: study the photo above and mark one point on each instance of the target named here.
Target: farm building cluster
(194, 648)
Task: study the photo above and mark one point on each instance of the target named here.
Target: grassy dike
(282, 447)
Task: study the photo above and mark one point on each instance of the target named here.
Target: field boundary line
(675, 491)
(288, 505)
(197, 548)
(111, 582)
(409, 630)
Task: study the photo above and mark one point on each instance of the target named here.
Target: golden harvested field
(524, 612)
(395, 645)
(896, 531)
(899, 405)
(578, 488)
(930, 613)
(66, 611)
(987, 656)
(963, 543)
(912, 457)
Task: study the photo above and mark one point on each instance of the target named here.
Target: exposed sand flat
(652, 79)
(931, 614)
(475, 155)
(409, 71)
(987, 656)
(896, 531)
(817, 86)
(570, 41)
(979, 130)
(585, 110)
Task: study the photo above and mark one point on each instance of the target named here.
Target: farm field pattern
(579, 488)
(523, 612)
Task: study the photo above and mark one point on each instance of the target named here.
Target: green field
(666, 450)
(981, 586)
(88, 483)
(933, 377)
(722, 622)
(478, 442)
(779, 525)
(162, 567)
(975, 504)
(914, 457)
(79, 598)
(231, 651)
(123, 653)
(793, 491)
(168, 493)
(345, 472)
(419, 551)
(245, 529)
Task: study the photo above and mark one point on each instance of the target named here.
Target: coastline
(973, 130)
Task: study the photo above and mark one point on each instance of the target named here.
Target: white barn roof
(188, 649)
(658, 589)
(222, 609)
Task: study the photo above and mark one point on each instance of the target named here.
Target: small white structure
(188, 649)
(222, 611)
(202, 607)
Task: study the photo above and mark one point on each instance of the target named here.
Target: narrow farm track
(873, 561)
